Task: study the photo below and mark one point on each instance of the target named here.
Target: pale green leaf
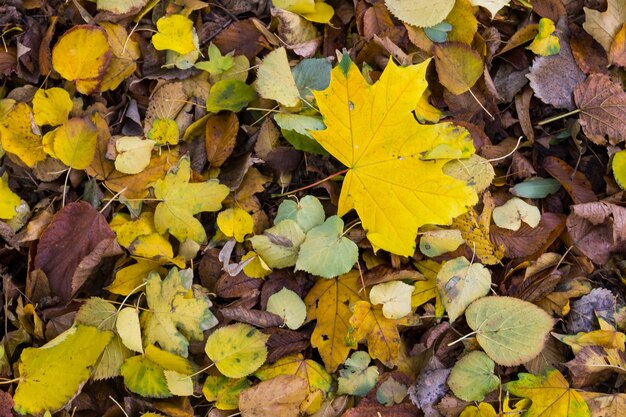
(357, 378)
(461, 282)
(395, 296)
(307, 212)
(288, 305)
(278, 246)
(472, 377)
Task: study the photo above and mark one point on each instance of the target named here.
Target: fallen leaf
(65, 364)
(391, 392)
(602, 404)
(180, 200)
(550, 395)
(472, 377)
(280, 396)
(278, 246)
(237, 350)
(52, 106)
(288, 305)
(329, 303)
(19, 135)
(458, 66)
(420, 13)
(617, 53)
(231, 95)
(174, 316)
(375, 183)
(9, 201)
(306, 212)
(357, 377)
(326, 252)
(82, 54)
(313, 10)
(133, 154)
(437, 242)
(221, 136)
(602, 105)
(128, 328)
(511, 331)
(175, 33)
(275, 80)
(618, 165)
(395, 296)
(494, 6)
(235, 222)
(73, 143)
(545, 43)
(223, 391)
(460, 283)
(482, 410)
(604, 26)
(511, 214)
(72, 246)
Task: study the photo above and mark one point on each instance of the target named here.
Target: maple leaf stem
(323, 180)
(560, 116)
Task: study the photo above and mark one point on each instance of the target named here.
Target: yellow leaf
(52, 106)
(19, 135)
(424, 111)
(164, 131)
(257, 268)
(329, 303)
(275, 81)
(175, 34)
(545, 43)
(128, 328)
(127, 279)
(371, 130)
(9, 201)
(458, 66)
(82, 54)
(482, 410)
(475, 231)
(463, 22)
(427, 290)
(550, 395)
(313, 10)
(120, 6)
(235, 222)
(182, 200)
(133, 154)
(125, 52)
(307, 369)
(383, 339)
(74, 143)
(237, 350)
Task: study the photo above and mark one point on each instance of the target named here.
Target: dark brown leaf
(574, 182)
(72, 247)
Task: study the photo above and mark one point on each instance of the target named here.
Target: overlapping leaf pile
(307, 207)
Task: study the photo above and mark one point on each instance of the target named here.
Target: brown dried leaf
(254, 317)
(379, 410)
(604, 405)
(221, 136)
(527, 241)
(595, 364)
(589, 55)
(375, 20)
(553, 78)
(74, 244)
(284, 342)
(574, 182)
(238, 286)
(602, 105)
(242, 37)
(279, 397)
(598, 230)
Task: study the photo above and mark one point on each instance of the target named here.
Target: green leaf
(357, 378)
(536, 188)
(439, 32)
(217, 62)
(288, 305)
(278, 246)
(325, 252)
(173, 316)
(307, 212)
(472, 377)
(144, 377)
(295, 128)
(53, 374)
(312, 74)
(460, 283)
(231, 95)
(510, 330)
(237, 350)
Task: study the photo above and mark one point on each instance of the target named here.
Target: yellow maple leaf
(550, 395)
(182, 200)
(382, 335)
(394, 179)
(329, 302)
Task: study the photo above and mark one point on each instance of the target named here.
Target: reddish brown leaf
(598, 230)
(589, 54)
(254, 317)
(73, 246)
(6, 404)
(242, 37)
(527, 241)
(375, 20)
(602, 105)
(574, 182)
(221, 135)
(284, 342)
(238, 286)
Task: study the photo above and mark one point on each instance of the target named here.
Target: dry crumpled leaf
(602, 105)
(598, 230)
(73, 246)
(279, 397)
(603, 26)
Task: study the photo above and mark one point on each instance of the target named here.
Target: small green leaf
(307, 212)
(472, 377)
(278, 246)
(288, 305)
(439, 32)
(357, 378)
(536, 188)
(231, 95)
(312, 74)
(325, 252)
